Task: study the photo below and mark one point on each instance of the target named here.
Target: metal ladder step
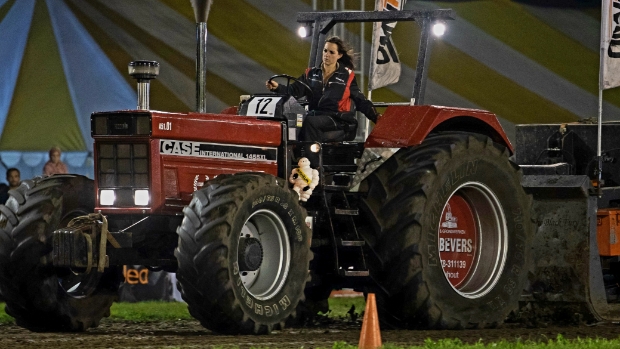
(356, 273)
(351, 243)
(333, 187)
(346, 211)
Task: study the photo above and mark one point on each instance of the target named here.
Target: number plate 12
(263, 106)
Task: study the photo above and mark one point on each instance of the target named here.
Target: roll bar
(322, 22)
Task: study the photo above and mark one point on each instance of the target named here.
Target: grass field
(163, 311)
(340, 308)
(558, 343)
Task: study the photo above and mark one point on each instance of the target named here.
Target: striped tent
(64, 59)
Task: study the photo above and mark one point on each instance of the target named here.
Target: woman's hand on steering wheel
(275, 85)
(271, 85)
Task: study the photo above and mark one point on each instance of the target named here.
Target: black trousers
(314, 126)
(313, 130)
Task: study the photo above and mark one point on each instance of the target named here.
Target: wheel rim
(473, 239)
(79, 285)
(264, 279)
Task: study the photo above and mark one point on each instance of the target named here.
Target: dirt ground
(189, 334)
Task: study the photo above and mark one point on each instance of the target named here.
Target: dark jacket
(335, 96)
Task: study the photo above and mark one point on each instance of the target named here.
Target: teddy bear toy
(304, 179)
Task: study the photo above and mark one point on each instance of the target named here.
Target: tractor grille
(123, 165)
(120, 124)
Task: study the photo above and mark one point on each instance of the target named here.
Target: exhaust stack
(201, 12)
(144, 72)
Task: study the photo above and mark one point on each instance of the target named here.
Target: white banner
(610, 45)
(384, 62)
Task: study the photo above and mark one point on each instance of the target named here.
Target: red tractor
(429, 213)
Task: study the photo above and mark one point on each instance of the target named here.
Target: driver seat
(348, 126)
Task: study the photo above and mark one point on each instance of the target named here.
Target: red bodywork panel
(176, 171)
(222, 128)
(405, 126)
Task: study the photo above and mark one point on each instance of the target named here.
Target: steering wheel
(288, 82)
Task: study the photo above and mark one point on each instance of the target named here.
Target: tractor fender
(406, 126)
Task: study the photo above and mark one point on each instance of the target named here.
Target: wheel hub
(458, 240)
(263, 254)
(472, 240)
(250, 256)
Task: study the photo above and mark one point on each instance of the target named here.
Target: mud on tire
(243, 253)
(30, 285)
(427, 281)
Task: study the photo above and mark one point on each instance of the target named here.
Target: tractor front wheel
(243, 253)
(39, 296)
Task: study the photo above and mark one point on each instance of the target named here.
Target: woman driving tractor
(333, 88)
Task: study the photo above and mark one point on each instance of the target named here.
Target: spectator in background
(14, 179)
(54, 165)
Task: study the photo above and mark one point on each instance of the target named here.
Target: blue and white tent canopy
(64, 59)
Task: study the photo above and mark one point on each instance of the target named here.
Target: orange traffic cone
(370, 338)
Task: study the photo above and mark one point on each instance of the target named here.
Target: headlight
(315, 148)
(141, 197)
(107, 197)
(439, 29)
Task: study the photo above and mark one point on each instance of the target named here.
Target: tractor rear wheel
(452, 226)
(39, 296)
(243, 253)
